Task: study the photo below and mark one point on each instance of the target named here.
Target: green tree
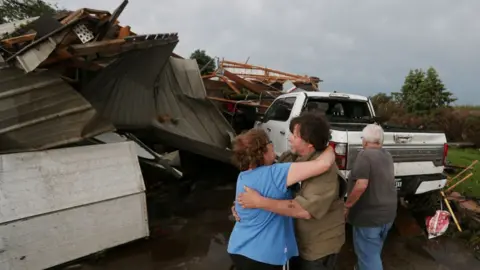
(410, 91)
(14, 10)
(385, 106)
(206, 64)
(423, 92)
(435, 95)
(379, 99)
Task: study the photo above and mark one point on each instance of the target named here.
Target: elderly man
(371, 205)
(318, 205)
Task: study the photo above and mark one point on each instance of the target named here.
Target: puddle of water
(192, 234)
(446, 251)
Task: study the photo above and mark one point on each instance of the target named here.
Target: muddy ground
(190, 226)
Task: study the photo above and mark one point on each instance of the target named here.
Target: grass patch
(464, 157)
(467, 107)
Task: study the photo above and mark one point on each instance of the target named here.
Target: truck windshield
(341, 110)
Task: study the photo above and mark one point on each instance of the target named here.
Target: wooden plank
(96, 47)
(246, 103)
(8, 43)
(124, 32)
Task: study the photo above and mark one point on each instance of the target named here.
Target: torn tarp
(39, 111)
(150, 89)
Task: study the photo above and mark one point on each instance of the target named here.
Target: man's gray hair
(373, 133)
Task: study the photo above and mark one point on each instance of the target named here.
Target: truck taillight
(445, 153)
(340, 150)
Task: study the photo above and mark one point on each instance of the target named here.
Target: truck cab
(419, 155)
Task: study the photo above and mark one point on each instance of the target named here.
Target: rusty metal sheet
(39, 110)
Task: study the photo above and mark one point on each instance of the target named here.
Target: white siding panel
(36, 183)
(48, 240)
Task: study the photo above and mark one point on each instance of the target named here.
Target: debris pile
(243, 91)
(464, 210)
(80, 77)
(79, 74)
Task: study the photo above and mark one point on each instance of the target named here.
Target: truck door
(276, 122)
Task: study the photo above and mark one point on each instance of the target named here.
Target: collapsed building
(80, 77)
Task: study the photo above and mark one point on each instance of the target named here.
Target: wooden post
(451, 211)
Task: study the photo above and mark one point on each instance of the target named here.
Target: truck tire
(424, 204)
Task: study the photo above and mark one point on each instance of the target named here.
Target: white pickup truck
(419, 155)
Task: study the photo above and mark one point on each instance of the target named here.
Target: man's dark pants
(325, 263)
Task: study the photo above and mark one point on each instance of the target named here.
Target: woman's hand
(346, 211)
(234, 213)
(250, 198)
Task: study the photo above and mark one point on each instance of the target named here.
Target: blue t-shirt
(262, 235)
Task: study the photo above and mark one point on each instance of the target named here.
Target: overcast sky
(361, 47)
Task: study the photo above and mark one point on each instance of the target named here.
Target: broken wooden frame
(70, 49)
(450, 189)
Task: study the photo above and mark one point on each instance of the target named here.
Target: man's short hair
(373, 133)
(314, 129)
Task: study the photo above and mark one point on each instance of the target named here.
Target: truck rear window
(340, 110)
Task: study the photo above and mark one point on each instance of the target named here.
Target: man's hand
(346, 210)
(234, 213)
(250, 198)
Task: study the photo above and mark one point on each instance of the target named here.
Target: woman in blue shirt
(265, 240)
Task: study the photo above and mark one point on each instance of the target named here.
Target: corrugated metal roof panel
(149, 89)
(39, 111)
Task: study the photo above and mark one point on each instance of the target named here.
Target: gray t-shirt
(378, 204)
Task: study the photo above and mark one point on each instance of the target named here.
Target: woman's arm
(300, 171)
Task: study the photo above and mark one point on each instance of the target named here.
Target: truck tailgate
(414, 153)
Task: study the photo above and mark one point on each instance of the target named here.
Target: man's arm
(314, 202)
(357, 191)
(290, 208)
(361, 172)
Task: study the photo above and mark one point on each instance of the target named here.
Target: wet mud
(190, 226)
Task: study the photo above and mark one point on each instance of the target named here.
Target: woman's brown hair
(249, 149)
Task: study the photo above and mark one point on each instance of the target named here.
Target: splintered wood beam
(96, 47)
(208, 76)
(232, 64)
(243, 102)
(124, 32)
(8, 43)
(227, 81)
(57, 56)
(459, 182)
(250, 86)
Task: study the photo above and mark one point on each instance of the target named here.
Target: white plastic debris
(438, 224)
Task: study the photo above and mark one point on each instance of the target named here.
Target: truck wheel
(424, 204)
